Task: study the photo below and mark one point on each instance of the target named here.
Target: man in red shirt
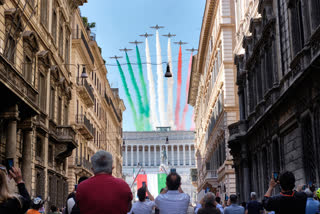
(103, 193)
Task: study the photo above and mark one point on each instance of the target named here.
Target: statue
(163, 156)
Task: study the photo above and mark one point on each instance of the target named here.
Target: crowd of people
(105, 194)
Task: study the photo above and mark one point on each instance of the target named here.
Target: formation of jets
(191, 50)
(157, 27)
(180, 43)
(146, 35)
(125, 49)
(169, 35)
(135, 42)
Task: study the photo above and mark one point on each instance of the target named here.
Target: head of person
(287, 181)
(309, 193)
(53, 208)
(218, 199)
(36, 203)
(209, 199)
(4, 188)
(233, 199)
(173, 181)
(82, 178)
(253, 196)
(102, 162)
(142, 194)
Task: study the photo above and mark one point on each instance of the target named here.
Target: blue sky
(121, 21)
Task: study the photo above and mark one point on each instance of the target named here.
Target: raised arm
(149, 194)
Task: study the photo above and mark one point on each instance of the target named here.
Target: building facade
(39, 127)
(278, 86)
(96, 108)
(212, 92)
(159, 151)
(36, 93)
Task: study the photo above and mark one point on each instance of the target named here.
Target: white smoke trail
(160, 74)
(153, 104)
(170, 82)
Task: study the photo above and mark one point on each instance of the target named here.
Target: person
(54, 210)
(218, 204)
(71, 207)
(288, 201)
(173, 200)
(233, 208)
(10, 203)
(143, 206)
(312, 206)
(103, 193)
(318, 194)
(36, 205)
(254, 206)
(209, 205)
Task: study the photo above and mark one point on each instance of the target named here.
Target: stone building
(156, 151)
(212, 92)
(278, 86)
(39, 91)
(95, 108)
(36, 93)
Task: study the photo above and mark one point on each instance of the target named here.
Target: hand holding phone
(9, 164)
(144, 184)
(276, 176)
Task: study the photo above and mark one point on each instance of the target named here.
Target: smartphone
(144, 184)
(9, 164)
(276, 176)
(310, 183)
(173, 170)
(76, 186)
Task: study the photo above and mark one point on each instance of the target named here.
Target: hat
(37, 200)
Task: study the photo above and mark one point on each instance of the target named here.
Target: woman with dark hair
(11, 203)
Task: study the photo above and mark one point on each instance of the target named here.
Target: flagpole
(136, 177)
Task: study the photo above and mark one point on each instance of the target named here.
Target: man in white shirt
(143, 206)
(172, 200)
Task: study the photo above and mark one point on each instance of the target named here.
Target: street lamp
(84, 74)
(168, 73)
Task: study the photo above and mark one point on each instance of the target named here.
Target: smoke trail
(144, 91)
(136, 88)
(185, 109)
(160, 82)
(170, 83)
(177, 120)
(153, 106)
(125, 86)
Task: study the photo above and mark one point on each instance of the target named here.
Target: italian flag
(155, 182)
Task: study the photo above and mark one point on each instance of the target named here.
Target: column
(155, 155)
(149, 154)
(184, 155)
(126, 148)
(131, 155)
(178, 151)
(190, 157)
(11, 144)
(138, 160)
(26, 167)
(172, 155)
(143, 158)
(167, 153)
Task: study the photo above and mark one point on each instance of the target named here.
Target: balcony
(79, 38)
(15, 89)
(83, 164)
(194, 177)
(65, 141)
(84, 126)
(211, 177)
(85, 91)
(237, 130)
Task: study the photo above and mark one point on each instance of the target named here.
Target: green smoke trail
(125, 86)
(136, 88)
(144, 91)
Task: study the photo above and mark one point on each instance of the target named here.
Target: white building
(154, 149)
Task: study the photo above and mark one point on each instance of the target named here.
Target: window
(39, 147)
(315, 8)
(42, 91)
(52, 102)
(54, 24)
(296, 26)
(67, 48)
(65, 115)
(59, 110)
(27, 68)
(61, 36)
(10, 51)
(44, 13)
(50, 154)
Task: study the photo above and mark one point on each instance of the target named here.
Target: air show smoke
(170, 83)
(160, 74)
(152, 92)
(177, 116)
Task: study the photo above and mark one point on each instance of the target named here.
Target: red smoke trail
(185, 109)
(177, 120)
